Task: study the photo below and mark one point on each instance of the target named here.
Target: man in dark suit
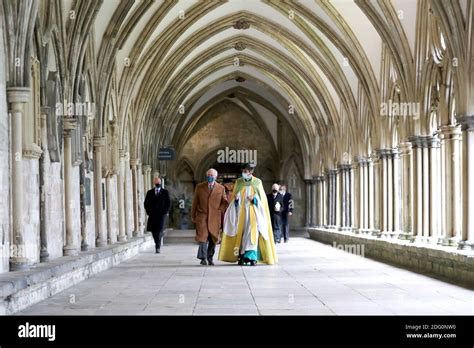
(287, 211)
(157, 206)
(275, 205)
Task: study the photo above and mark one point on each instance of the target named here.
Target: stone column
(389, 161)
(467, 240)
(44, 255)
(361, 190)
(101, 234)
(17, 98)
(314, 199)
(337, 198)
(417, 175)
(376, 199)
(324, 221)
(136, 219)
(327, 199)
(396, 193)
(70, 249)
(426, 189)
(127, 206)
(108, 188)
(308, 202)
(121, 196)
(435, 191)
(367, 187)
(384, 192)
(341, 204)
(451, 182)
(406, 190)
(354, 197)
(372, 190)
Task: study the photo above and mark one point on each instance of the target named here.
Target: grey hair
(212, 170)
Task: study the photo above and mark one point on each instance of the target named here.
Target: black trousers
(207, 249)
(285, 229)
(158, 233)
(276, 226)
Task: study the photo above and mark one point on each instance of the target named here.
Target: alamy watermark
(354, 249)
(228, 155)
(396, 109)
(74, 109)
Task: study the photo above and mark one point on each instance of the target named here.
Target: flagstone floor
(311, 279)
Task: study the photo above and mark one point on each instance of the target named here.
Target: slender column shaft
(389, 160)
(371, 196)
(406, 190)
(361, 194)
(308, 202)
(101, 234)
(70, 249)
(396, 193)
(376, 193)
(450, 149)
(133, 166)
(384, 193)
(121, 197)
(44, 181)
(435, 192)
(128, 198)
(467, 240)
(426, 192)
(17, 98)
(314, 202)
(110, 219)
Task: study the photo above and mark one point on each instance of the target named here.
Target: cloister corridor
(311, 279)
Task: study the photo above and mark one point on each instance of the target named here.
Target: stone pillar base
(100, 243)
(452, 241)
(70, 251)
(405, 235)
(418, 239)
(122, 238)
(466, 245)
(19, 264)
(375, 233)
(394, 234)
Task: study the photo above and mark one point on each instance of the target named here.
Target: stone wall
(31, 209)
(5, 161)
(54, 203)
(441, 262)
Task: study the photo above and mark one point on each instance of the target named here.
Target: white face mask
(246, 176)
(282, 192)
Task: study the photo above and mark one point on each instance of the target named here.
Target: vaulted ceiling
(318, 64)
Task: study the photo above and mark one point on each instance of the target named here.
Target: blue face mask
(246, 176)
(211, 179)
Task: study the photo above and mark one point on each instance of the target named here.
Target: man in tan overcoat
(208, 204)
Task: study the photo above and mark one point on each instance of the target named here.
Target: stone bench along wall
(442, 262)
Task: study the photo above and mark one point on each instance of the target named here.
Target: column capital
(345, 167)
(123, 154)
(146, 169)
(466, 122)
(362, 160)
(405, 148)
(18, 94)
(69, 124)
(320, 178)
(450, 132)
(382, 153)
(99, 141)
(135, 162)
